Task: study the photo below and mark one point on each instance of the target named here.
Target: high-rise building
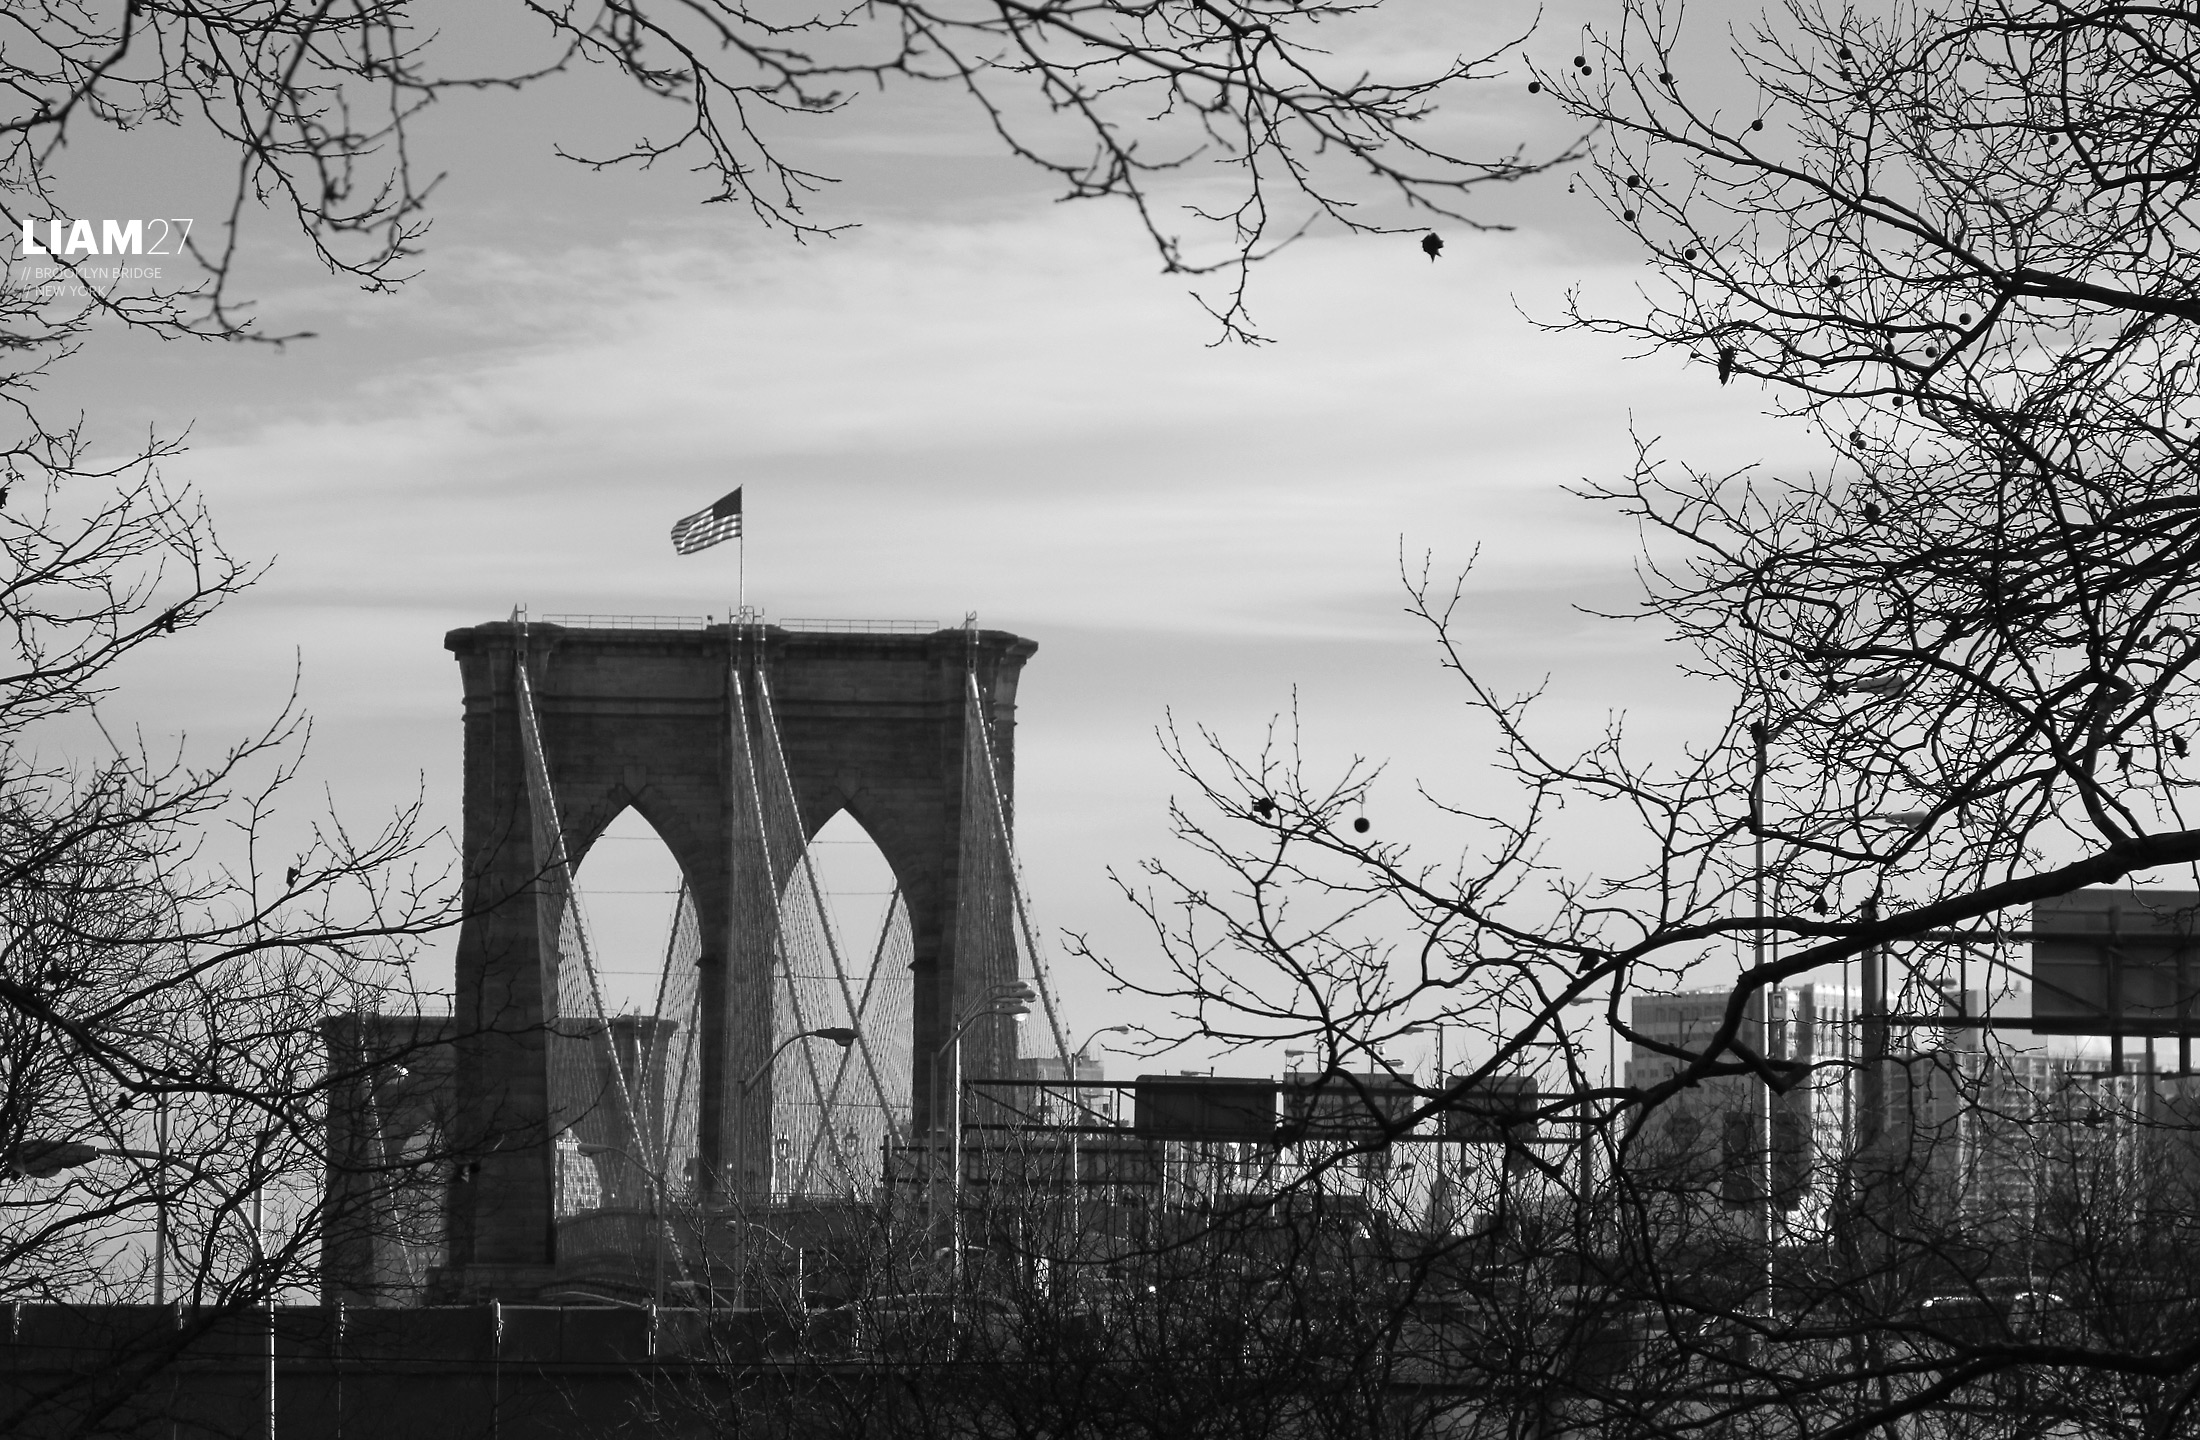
(1986, 1128)
(1981, 1128)
(1710, 1141)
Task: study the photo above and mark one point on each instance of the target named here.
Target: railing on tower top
(629, 622)
(862, 627)
(704, 622)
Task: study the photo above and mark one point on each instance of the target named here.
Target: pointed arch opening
(644, 944)
(629, 885)
(845, 963)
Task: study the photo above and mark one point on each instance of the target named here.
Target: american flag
(706, 528)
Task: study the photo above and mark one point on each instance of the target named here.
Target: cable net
(995, 941)
(671, 1092)
(604, 1153)
(833, 1108)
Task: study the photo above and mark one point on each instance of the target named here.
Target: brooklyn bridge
(784, 1068)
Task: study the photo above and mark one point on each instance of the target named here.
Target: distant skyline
(979, 400)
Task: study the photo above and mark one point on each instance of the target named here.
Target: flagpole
(741, 571)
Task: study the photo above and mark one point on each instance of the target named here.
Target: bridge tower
(878, 724)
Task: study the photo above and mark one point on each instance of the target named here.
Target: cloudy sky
(977, 399)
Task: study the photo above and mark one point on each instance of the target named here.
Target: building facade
(1984, 1131)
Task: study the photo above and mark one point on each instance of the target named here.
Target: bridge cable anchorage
(575, 1019)
(979, 748)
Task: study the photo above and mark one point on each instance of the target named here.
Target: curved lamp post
(1078, 1112)
(1079, 1053)
(1077, 1057)
(840, 1035)
(39, 1158)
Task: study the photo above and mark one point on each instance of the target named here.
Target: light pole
(1012, 999)
(1760, 1001)
(840, 1035)
(1884, 685)
(259, 1261)
(1077, 1120)
(42, 1159)
(1077, 1057)
(160, 1206)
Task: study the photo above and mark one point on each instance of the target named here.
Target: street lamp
(1900, 819)
(42, 1159)
(1011, 998)
(1078, 1112)
(1077, 1058)
(1079, 1053)
(840, 1035)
